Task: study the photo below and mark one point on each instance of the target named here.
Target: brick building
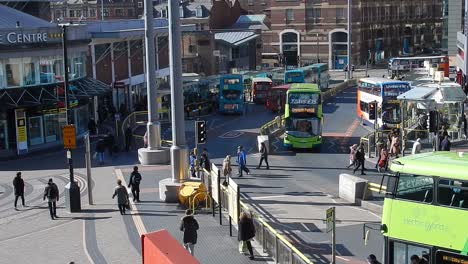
(303, 31)
(79, 10)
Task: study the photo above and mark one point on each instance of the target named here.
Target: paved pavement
(99, 234)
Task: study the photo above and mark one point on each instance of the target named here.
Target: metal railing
(273, 242)
(272, 126)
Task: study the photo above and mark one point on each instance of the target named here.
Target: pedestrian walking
(18, 184)
(134, 183)
(242, 161)
(128, 138)
(395, 145)
(122, 196)
(264, 156)
(352, 156)
(445, 145)
(372, 259)
(189, 226)
(227, 170)
(193, 161)
(51, 192)
(246, 233)
(100, 149)
(360, 158)
(205, 161)
(416, 147)
(382, 162)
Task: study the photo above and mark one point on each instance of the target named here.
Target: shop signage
(21, 133)
(28, 37)
(69, 137)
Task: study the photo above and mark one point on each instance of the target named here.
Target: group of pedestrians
(357, 157)
(103, 144)
(121, 191)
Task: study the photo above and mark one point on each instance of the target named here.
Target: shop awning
(235, 38)
(51, 94)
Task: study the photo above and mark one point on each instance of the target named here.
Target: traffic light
(432, 121)
(372, 110)
(201, 132)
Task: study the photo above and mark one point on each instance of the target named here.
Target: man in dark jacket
(109, 142)
(135, 179)
(52, 193)
(18, 184)
(100, 149)
(360, 158)
(189, 226)
(264, 156)
(246, 232)
(205, 162)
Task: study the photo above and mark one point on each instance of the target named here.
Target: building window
(181, 12)
(92, 12)
(289, 15)
(12, 75)
(58, 14)
(164, 13)
(199, 11)
(192, 48)
(119, 12)
(29, 74)
(130, 12)
(71, 13)
(339, 12)
(314, 12)
(140, 4)
(106, 12)
(250, 2)
(78, 13)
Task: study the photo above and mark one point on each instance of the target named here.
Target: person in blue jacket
(192, 160)
(242, 161)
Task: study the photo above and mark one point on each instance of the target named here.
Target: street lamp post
(72, 190)
(179, 150)
(318, 59)
(349, 38)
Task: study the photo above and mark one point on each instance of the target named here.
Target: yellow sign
(21, 130)
(69, 137)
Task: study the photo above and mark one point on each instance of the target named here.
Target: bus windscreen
(231, 94)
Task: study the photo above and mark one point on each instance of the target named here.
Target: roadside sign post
(330, 219)
(72, 196)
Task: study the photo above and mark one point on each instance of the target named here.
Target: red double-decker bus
(276, 98)
(260, 88)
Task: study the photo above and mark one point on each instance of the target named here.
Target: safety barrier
(227, 196)
(272, 126)
(331, 93)
(374, 187)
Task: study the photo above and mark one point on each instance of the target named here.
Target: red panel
(161, 248)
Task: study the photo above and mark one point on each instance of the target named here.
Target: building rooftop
(9, 18)
(188, 9)
(235, 38)
(252, 22)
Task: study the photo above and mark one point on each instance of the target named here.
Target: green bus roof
(310, 86)
(442, 164)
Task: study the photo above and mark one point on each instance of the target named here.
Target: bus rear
(260, 88)
(231, 94)
(294, 76)
(425, 211)
(277, 98)
(303, 116)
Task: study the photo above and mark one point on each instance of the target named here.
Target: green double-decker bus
(303, 116)
(425, 210)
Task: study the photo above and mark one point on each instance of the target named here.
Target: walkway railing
(228, 200)
(272, 126)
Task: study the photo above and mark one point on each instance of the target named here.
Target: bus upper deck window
(415, 188)
(453, 193)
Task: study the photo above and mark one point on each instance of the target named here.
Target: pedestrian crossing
(33, 195)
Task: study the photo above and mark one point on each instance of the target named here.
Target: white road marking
(136, 217)
(345, 259)
(267, 197)
(84, 244)
(232, 134)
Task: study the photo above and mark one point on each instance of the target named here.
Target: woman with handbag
(246, 233)
(227, 170)
(122, 197)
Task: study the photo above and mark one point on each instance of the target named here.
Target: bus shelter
(446, 98)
